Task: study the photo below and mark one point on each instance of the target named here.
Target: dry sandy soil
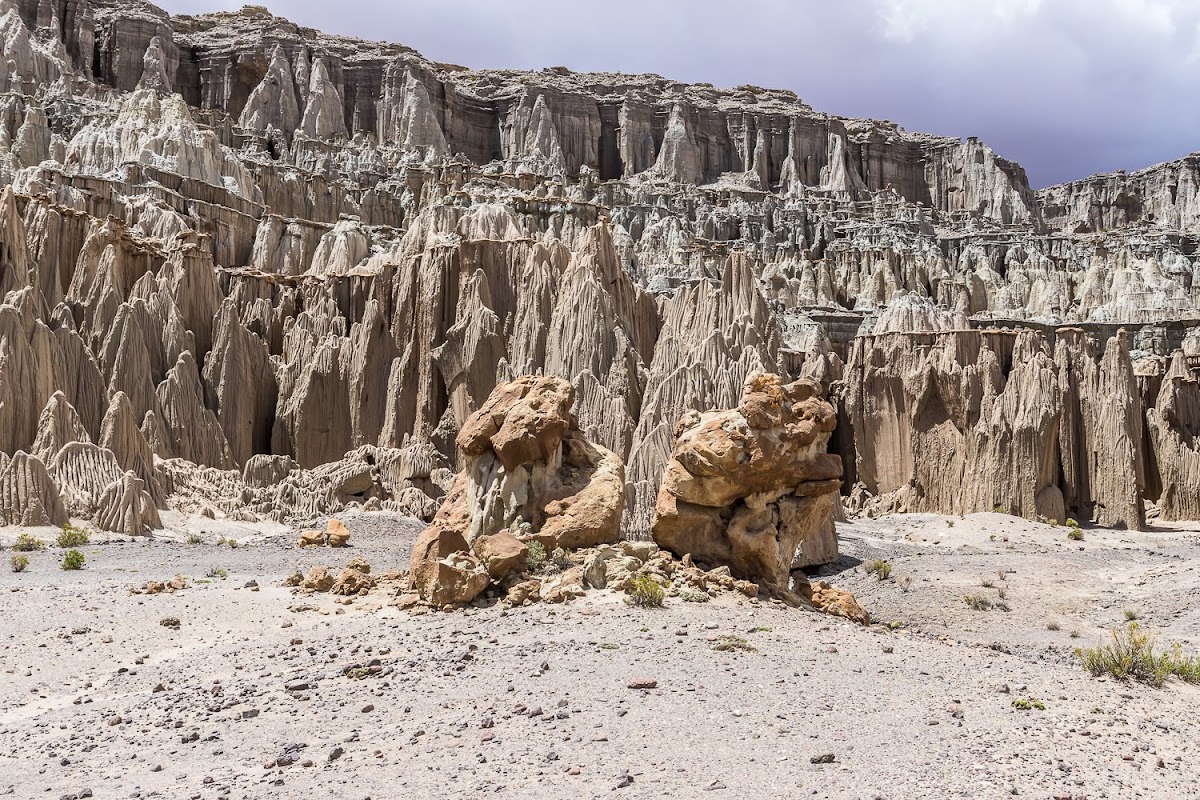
(254, 695)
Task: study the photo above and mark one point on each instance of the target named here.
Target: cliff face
(248, 248)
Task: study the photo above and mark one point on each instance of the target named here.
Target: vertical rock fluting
(229, 238)
(966, 421)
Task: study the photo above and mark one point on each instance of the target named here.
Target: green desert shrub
(1131, 656)
(72, 537)
(645, 593)
(73, 560)
(880, 569)
(18, 563)
(28, 544)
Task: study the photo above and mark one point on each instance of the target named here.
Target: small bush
(1053, 523)
(1131, 614)
(170, 622)
(216, 572)
(689, 596)
(18, 563)
(72, 537)
(1075, 535)
(232, 543)
(1029, 704)
(880, 569)
(977, 602)
(1053, 626)
(724, 644)
(905, 583)
(1072, 523)
(1131, 656)
(73, 560)
(194, 538)
(536, 557)
(28, 544)
(645, 593)
(1001, 592)
(987, 583)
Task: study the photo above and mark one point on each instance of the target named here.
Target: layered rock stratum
(250, 269)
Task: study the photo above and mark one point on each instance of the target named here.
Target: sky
(1067, 88)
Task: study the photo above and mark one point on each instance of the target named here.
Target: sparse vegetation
(1075, 535)
(1028, 704)
(18, 563)
(880, 568)
(216, 572)
(73, 560)
(1053, 626)
(977, 602)
(1072, 522)
(987, 583)
(1001, 592)
(760, 629)
(1131, 656)
(72, 537)
(645, 593)
(727, 643)
(905, 583)
(194, 538)
(28, 544)
(536, 556)
(170, 622)
(690, 596)
(233, 543)
(1131, 614)
(1053, 523)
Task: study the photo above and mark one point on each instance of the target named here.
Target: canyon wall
(270, 271)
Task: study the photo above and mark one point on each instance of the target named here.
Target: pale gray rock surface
(273, 242)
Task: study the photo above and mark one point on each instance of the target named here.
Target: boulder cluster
(535, 514)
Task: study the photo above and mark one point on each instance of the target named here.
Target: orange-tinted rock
(830, 600)
(752, 487)
(501, 554)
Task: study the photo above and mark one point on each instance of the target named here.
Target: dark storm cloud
(1066, 87)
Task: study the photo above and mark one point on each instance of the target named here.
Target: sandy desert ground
(264, 693)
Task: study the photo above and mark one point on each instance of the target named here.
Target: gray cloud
(1066, 87)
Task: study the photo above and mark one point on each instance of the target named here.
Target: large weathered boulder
(501, 553)
(528, 469)
(752, 487)
(528, 464)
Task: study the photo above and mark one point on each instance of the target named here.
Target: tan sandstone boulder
(336, 533)
(752, 487)
(528, 469)
(501, 553)
(832, 600)
(311, 539)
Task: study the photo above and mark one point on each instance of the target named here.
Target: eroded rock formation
(753, 487)
(273, 272)
(529, 475)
